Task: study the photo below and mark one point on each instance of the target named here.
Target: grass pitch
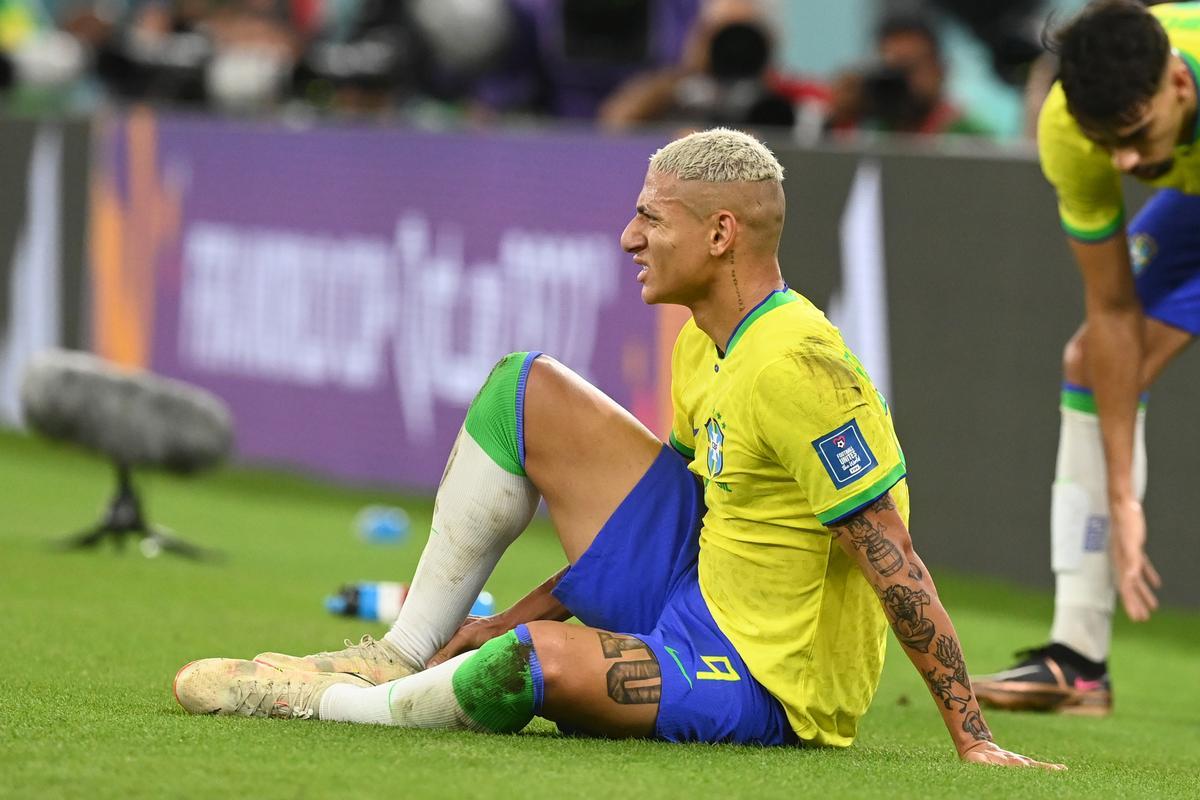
(91, 641)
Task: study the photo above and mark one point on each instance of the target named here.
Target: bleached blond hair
(719, 155)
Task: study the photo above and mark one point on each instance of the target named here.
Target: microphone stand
(124, 517)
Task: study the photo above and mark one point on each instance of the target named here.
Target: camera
(889, 100)
(6, 72)
(734, 91)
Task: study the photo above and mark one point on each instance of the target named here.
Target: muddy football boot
(374, 660)
(251, 689)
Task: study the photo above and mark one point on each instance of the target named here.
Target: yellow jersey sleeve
(1090, 204)
(827, 426)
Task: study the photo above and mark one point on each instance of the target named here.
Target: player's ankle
(1086, 667)
(403, 648)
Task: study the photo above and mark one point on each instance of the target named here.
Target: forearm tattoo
(634, 677)
(942, 686)
(905, 607)
(974, 725)
(949, 653)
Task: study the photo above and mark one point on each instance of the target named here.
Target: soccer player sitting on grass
(730, 582)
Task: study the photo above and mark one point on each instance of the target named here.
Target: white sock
(479, 511)
(1085, 591)
(422, 700)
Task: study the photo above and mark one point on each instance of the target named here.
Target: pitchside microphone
(136, 420)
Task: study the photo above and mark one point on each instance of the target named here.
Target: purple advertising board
(347, 290)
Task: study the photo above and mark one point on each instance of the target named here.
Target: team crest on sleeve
(845, 454)
(716, 447)
(1142, 250)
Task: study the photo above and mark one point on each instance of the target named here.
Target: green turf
(91, 641)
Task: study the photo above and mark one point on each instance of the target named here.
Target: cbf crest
(1142, 250)
(716, 447)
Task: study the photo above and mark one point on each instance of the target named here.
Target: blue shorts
(1164, 248)
(639, 578)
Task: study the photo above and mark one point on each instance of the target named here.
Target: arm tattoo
(942, 687)
(884, 503)
(867, 535)
(634, 680)
(975, 726)
(949, 653)
(906, 609)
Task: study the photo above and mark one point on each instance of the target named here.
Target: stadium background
(346, 286)
(346, 291)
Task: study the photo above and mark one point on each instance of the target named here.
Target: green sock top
(494, 418)
(494, 687)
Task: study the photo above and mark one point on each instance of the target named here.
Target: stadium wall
(346, 290)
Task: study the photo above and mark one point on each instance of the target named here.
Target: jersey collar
(777, 298)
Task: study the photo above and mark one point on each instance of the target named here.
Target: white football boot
(373, 660)
(253, 689)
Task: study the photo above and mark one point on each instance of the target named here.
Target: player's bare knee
(548, 381)
(1074, 360)
(556, 401)
(549, 643)
(564, 677)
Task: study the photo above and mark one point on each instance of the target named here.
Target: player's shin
(497, 689)
(1085, 595)
(484, 502)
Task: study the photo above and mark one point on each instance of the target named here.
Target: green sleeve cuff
(1097, 235)
(680, 447)
(852, 505)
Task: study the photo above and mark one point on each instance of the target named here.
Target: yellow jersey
(789, 436)
(1090, 202)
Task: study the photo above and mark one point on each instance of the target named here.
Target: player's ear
(722, 233)
(1181, 79)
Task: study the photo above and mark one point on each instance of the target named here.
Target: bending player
(1125, 103)
(730, 583)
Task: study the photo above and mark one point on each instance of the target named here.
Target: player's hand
(986, 752)
(1136, 577)
(471, 635)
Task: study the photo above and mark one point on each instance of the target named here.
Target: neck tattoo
(737, 289)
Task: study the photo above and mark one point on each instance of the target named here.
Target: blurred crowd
(615, 63)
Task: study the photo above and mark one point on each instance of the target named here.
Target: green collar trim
(777, 298)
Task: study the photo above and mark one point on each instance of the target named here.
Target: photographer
(904, 91)
(724, 78)
(566, 56)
